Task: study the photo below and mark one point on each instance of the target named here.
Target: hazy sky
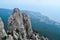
(50, 8)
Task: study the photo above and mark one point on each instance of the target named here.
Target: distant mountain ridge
(40, 23)
(37, 15)
(41, 17)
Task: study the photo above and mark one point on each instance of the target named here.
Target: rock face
(2, 30)
(9, 37)
(15, 22)
(19, 28)
(27, 25)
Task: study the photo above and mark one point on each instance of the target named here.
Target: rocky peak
(27, 24)
(15, 22)
(16, 10)
(19, 28)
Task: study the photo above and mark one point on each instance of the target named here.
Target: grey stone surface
(9, 37)
(2, 30)
(15, 22)
(27, 24)
(19, 27)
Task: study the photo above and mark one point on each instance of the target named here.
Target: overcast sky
(50, 8)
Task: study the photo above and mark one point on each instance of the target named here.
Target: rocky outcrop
(19, 28)
(15, 22)
(9, 37)
(2, 30)
(27, 25)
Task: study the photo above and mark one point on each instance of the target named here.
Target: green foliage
(8, 33)
(4, 38)
(15, 39)
(19, 39)
(17, 30)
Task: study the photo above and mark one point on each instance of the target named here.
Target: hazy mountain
(40, 23)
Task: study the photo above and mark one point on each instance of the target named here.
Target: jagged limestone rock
(27, 24)
(15, 22)
(43, 38)
(19, 26)
(15, 35)
(9, 37)
(28, 27)
(2, 30)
